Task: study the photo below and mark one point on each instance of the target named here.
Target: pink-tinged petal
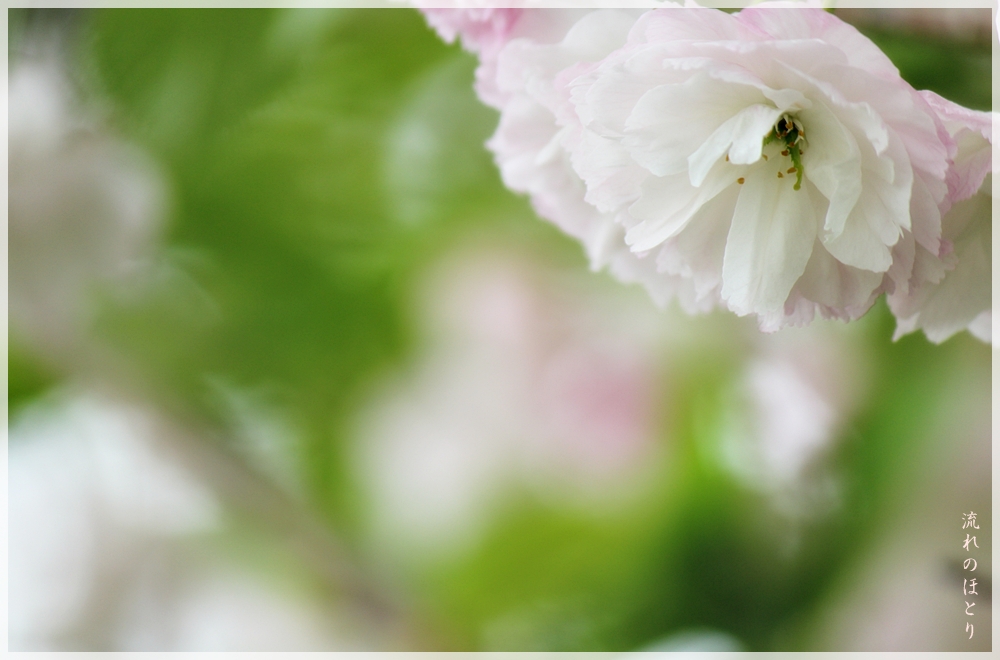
(926, 200)
(488, 31)
(480, 29)
(604, 240)
(962, 295)
(734, 71)
(793, 21)
(836, 286)
(611, 177)
(557, 194)
(591, 39)
(769, 243)
(605, 97)
(691, 24)
(532, 67)
(859, 246)
(974, 120)
(483, 31)
(662, 288)
(904, 254)
(525, 130)
(885, 203)
(868, 125)
(927, 142)
(878, 218)
(973, 133)
(766, 60)
(931, 268)
(972, 163)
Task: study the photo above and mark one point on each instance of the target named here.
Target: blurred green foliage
(273, 124)
(27, 377)
(957, 71)
(319, 160)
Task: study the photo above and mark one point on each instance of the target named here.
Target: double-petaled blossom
(772, 161)
(483, 31)
(957, 294)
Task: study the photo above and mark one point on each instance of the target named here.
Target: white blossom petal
(769, 244)
(964, 294)
(741, 138)
(668, 203)
(671, 122)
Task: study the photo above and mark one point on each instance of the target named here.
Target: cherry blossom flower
(961, 297)
(772, 162)
(529, 148)
(486, 31)
(782, 139)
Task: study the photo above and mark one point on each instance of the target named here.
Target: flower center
(790, 132)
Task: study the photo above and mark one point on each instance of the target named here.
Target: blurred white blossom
(220, 608)
(84, 207)
(792, 402)
(697, 641)
(88, 487)
(104, 523)
(523, 384)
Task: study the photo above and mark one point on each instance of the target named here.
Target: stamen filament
(792, 134)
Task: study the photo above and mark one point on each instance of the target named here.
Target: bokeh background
(290, 369)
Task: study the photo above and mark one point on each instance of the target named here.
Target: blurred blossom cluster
(84, 207)
(104, 522)
(523, 381)
(798, 392)
(291, 367)
(105, 519)
(528, 381)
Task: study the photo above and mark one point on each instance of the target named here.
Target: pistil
(792, 134)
